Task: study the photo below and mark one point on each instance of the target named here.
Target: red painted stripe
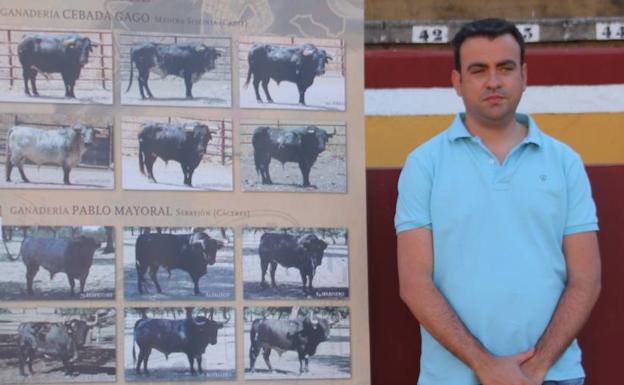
(413, 67)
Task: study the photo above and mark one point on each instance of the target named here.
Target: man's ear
(524, 76)
(456, 80)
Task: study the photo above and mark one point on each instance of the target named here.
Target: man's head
(486, 28)
(490, 73)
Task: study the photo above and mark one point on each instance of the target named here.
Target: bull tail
(141, 156)
(131, 71)
(7, 163)
(248, 73)
(134, 341)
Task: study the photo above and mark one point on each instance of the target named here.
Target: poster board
(151, 189)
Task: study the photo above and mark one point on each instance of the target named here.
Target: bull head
(70, 42)
(309, 50)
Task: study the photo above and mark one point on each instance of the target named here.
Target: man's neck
(499, 138)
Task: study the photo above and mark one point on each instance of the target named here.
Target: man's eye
(476, 70)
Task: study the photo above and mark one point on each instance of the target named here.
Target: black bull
(56, 340)
(301, 145)
(184, 143)
(70, 256)
(189, 336)
(298, 64)
(49, 54)
(188, 61)
(304, 252)
(189, 252)
(300, 335)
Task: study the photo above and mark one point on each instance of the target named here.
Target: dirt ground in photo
(207, 176)
(171, 91)
(327, 93)
(46, 177)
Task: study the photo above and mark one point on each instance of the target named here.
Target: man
(497, 251)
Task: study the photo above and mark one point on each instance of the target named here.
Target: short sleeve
(581, 214)
(413, 203)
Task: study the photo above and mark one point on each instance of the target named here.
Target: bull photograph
(190, 71)
(38, 66)
(57, 345)
(293, 157)
(52, 263)
(286, 263)
(57, 151)
(179, 344)
(310, 342)
(178, 263)
(176, 153)
(306, 73)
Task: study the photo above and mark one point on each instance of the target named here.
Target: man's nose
(493, 80)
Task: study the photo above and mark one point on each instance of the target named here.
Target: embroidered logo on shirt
(543, 177)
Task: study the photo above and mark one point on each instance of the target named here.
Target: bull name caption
(125, 210)
(121, 16)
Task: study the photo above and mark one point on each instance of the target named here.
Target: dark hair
(491, 28)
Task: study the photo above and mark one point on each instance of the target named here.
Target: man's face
(492, 79)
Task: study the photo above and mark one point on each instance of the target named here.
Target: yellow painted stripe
(598, 137)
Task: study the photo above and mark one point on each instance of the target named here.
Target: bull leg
(188, 82)
(305, 173)
(140, 275)
(185, 173)
(8, 168)
(149, 164)
(265, 87)
(190, 176)
(256, 83)
(266, 352)
(263, 266)
(302, 91)
(196, 284)
(33, 82)
(152, 271)
(254, 351)
(273, 268)
(66, 170)
(71, 284)
(69, 85)
(83, 280)
(191, 361)
(20, 167)
(304, 277)
(31, 271)
(199, 360)
(306, 364)
(23, 357)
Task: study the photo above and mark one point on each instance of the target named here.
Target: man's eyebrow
(507, 62)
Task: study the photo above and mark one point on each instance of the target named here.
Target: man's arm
(415, 262)
(582, 289)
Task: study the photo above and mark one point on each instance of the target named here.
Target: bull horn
(69, 41)
(335, 319)
(307, 51)
(200, 48)
(95, 43)
(332, 134)
(95, 322)
(226, 316)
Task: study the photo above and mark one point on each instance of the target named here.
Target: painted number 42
(436, 34)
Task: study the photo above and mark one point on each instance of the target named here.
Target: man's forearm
(575, 304)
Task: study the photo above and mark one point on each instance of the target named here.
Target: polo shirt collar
(458, 130)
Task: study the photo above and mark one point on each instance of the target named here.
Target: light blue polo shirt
(497, 239)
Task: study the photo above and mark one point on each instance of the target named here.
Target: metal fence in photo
(57, 263)
(310, 342)
(171, 263)
(286, 263)
(280, 156)
(175, 70)
(57, 151)
(181, 161)
(57, 345)
(179, 344)
(289, 72)
(64, 66)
